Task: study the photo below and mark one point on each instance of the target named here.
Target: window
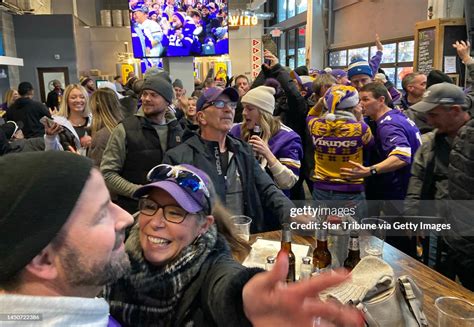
(301, 6)
(397, 60)
(389, 52)
(359, 52)
(292, 49)
(338, 58)
(290, 8)
(282, 11)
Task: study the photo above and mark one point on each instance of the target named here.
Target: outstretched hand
(268, 301)
(463, 49)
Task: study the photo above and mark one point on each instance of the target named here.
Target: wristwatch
(373, 170)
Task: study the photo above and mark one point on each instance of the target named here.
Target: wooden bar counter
(431, 282)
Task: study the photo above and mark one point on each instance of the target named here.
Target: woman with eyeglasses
(278, 147)
(182, 270)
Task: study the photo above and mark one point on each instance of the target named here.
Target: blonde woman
(278, 147)
(107, 113)
(8, 99)
(75, 116)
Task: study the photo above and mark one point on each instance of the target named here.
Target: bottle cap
(306, 260)
(271, 259)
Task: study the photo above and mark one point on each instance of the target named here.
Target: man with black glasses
(241, 184)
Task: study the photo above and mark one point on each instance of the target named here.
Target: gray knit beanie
(160, 86)
(38, 191)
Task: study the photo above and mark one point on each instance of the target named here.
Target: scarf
(156, 291)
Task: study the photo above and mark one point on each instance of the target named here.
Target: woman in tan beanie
(278, 147)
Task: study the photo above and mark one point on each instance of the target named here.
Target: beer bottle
(353, 257)
(286, 246)
(321, 255)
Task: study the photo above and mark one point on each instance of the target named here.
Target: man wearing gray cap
(448, 110)
(444, 106)
(139, 142)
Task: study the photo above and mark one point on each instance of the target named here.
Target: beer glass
(242, 226)
(453, 311)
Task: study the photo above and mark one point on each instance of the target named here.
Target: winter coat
(263, 201)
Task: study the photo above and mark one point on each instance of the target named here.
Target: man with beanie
(28, 111)
(62, 239)
(56, 256)
(139, 142)
(230, 163)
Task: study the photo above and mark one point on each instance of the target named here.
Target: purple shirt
(396, 135)
(285, 146)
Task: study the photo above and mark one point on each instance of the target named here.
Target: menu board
(426, 50)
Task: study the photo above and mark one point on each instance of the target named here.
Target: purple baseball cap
(191, 203)
(213, 93)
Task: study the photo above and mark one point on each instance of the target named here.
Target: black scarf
(153, 293)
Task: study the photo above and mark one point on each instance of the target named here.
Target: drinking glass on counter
(453, 311)
(242, 226)
(373, 237)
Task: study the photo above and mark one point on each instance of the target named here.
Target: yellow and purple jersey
(335, 144)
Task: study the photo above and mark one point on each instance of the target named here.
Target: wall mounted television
(178, 28)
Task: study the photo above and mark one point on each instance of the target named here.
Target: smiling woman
(74, 119)
(178, 255)
(183, 273)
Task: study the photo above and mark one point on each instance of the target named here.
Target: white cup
(242, 226)
(373, 239)
(454, 312)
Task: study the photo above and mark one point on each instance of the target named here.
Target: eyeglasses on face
(186, 179)
(171, 213)
(220, 104)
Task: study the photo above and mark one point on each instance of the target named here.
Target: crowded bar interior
(237, 163)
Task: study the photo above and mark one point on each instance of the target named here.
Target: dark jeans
(343, 199)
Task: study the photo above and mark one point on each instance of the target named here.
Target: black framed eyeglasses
(172, 213)
(220, 104)
(186, 179)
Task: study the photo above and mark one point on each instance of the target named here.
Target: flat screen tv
(178, 28)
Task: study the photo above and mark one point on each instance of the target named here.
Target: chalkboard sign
(426, 50)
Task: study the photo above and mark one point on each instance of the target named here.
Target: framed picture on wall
(455, 78)
(46, 77)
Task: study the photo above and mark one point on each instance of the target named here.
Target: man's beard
(79, 273)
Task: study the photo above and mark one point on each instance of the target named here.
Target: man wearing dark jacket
(139, 142)
(28, 111)
(230, 163)
(55, 96)
(438, 173)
